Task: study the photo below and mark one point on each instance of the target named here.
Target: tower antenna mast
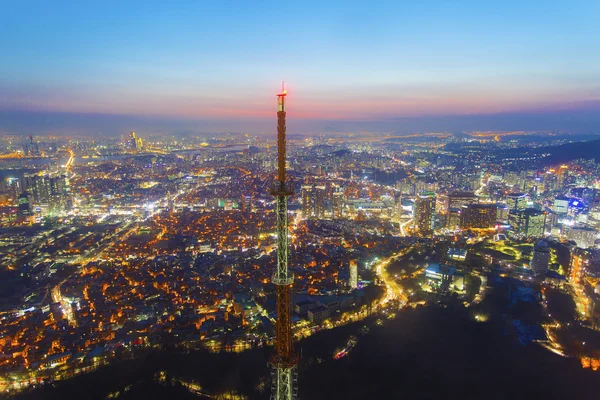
(284, 361)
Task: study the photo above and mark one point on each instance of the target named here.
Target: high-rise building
(424, 213)
(308, 208)
(50, 190)
(353, 280)
(10, 188)
(31, 148)
(134, 142)
(478, 216)
(541, 258)
(529, 222)
(561, 205)
(337, 204)
(314, 201)
(320, 193)
(516, 201)
(502, 211)
(24, 202)
(453, 218)
(583, 236)
(550, 182)
(561, 174)
(461, 199)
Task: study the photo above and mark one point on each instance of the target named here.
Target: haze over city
(388, 66)
(299, 200)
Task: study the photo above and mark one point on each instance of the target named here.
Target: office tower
(320, 194)
(561, 205)
(337, 204)
(478, 216)
(541, 258)
(516, 201)
(353, 280)
(529, 222)
(424, 213)
(308, 208)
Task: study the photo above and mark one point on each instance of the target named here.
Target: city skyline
(393, 67)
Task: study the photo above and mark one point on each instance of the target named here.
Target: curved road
(393, 291)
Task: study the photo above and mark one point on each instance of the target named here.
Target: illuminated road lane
(393, 291)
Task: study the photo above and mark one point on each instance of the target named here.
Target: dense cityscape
(300, 200)
(115, 245)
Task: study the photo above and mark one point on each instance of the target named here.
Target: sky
(216, 66)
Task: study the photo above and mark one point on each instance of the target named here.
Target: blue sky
(342, 61)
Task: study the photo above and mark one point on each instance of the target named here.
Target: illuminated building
(52, 191)
(550, 182)
(445, 276)
(135, 143)
(31, 148)
(308, 208)
(455, 253)
(353, 280)
(453, 218)
(541, 258)
(247, 204)
(11, 187)
(478, 216)
(580, 260)
(314, 201)
(516, 201)
(24, 203)
(424, 213)
(561, 205)
(528, 222)
(561, 175)
(461, 199)
(337, 204)
(320, 193)
(583, 236)
(576, 207)
(501, 212)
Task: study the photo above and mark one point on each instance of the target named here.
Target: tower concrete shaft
(284, 360)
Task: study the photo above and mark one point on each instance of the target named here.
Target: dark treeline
(425, 353)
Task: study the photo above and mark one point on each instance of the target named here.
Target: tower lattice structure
(284, 361)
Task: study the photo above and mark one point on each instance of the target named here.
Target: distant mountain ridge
(558, 154)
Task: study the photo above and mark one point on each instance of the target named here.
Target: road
(393, 291)
(404, 225)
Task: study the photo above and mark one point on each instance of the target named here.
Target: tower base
(284, 383)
